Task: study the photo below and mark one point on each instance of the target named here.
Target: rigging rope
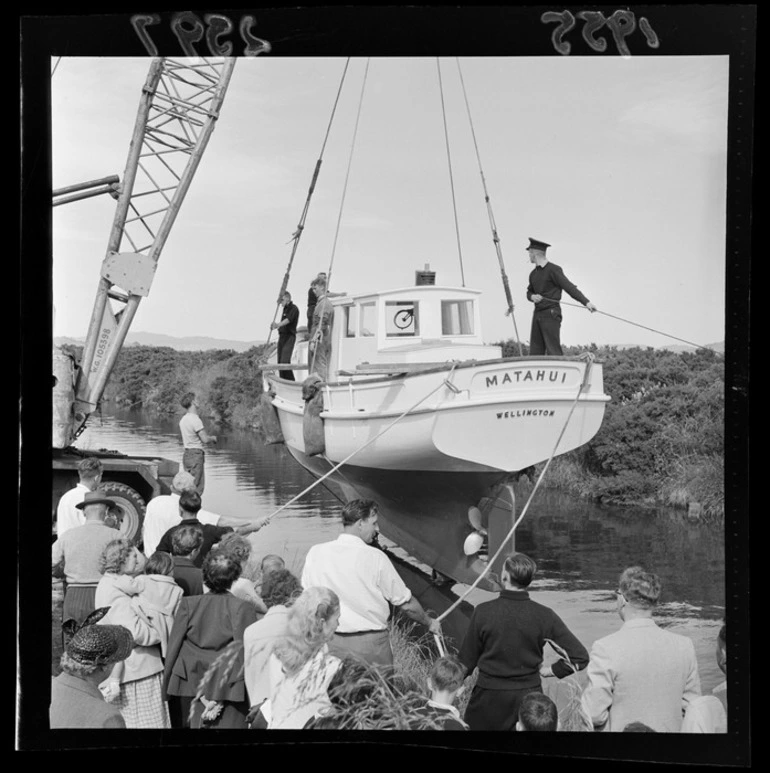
(347, 176)
(637, 324)
(445, 382)
(311, 364)
(451, 178)
(589, 361)
(490, 214)
(298, 233)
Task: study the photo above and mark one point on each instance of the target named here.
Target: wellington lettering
(526, 375)
(525, 412)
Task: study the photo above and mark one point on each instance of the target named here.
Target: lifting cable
(446, 382)
(451, 178)
(492, 224)
(636, 324)
(298, 233)
(347, 177)
(589, 362)
(342, 205)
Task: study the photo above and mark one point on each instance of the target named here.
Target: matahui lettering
(545, 375)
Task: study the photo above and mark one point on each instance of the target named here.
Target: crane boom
(178, 109)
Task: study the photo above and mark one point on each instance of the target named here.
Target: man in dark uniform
(505, 640)
(546, 282)
(287, 334)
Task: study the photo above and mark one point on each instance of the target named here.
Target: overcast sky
(620, 164)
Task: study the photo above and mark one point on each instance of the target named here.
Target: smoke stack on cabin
(425, 277)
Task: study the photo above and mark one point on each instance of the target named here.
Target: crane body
(178, 109)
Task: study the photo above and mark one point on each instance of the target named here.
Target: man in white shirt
(194, 439)
(163, 513)
(68, 515)
(366, 583)
(640, 673)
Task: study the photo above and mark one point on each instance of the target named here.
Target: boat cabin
(423, 323)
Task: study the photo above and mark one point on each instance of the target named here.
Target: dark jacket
(290, 312)
(211, 535)
(188, 576)
(549, 281)
(204, 626)
(443, 717)
(506, 638)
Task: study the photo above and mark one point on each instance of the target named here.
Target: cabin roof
(409, 290)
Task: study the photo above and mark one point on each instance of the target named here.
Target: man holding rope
(546, 282)
(367, 585)
(287, 333)
(505, 640)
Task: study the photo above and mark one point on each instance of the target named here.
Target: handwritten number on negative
(621, 24)
(218, 26)
(139, 22)
(189, 29)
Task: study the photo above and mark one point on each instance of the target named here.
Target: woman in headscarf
(135, 685)
(207, 641)
(300, 666)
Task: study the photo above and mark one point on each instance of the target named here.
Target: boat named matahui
(431, 422)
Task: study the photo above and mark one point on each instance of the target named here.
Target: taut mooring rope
(636, 324)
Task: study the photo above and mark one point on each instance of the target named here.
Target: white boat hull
(501, 416)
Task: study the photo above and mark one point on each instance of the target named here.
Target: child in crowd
(537, 712)
(154, 598)
(270, 563)
(239, 548)
(445, 684)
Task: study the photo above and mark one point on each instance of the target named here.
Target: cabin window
(402, 319)
(456, 318)
(350, 322)
(367, 319)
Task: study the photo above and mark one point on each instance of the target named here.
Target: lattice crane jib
(178, 110)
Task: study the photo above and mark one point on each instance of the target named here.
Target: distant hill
(719, 347)
(186, 344)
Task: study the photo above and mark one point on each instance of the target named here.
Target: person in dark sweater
(189, 507)
(546, 282)
(505, 640)
(287, 333)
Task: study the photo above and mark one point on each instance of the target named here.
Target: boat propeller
(475, 540)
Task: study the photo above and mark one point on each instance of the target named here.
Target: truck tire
(132, 506)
